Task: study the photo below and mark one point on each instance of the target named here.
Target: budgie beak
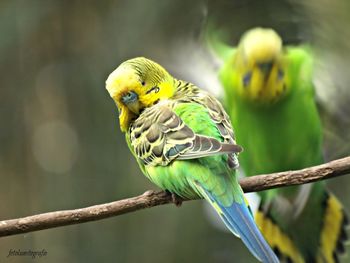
(265, 68)
(135, 107)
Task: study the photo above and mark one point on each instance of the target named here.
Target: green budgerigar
(183, 142)
(270, 98)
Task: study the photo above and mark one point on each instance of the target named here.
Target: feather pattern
(159, 136)
(187, 92)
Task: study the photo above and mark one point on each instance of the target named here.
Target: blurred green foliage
(60, 144)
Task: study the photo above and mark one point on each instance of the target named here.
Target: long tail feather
(239, 220)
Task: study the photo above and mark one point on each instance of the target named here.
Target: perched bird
(270, 98)
(183, 142)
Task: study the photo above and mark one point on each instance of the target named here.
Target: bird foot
(177, 200)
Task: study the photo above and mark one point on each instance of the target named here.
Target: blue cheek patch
(246, 79)
(129, 97)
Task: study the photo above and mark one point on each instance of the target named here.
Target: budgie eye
(246, 79)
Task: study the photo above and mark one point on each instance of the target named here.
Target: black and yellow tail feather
(333, 235)
(281, 243)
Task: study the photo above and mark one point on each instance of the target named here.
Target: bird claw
(177, 200)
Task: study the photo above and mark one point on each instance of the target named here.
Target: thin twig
(155, 198)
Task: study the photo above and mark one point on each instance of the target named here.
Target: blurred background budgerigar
(58, 130)
(270, 97)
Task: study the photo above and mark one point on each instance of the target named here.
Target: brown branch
(155, 198)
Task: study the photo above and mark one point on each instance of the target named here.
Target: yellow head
(136, 84)
(261, 66)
